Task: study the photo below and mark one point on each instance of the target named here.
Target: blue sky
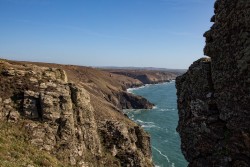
(143, 33)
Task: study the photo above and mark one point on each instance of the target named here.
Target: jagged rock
(214, 95)
(30, 104)
(8, 72)
(58, 117)
(124, 142)
(129, 101)
(199, 124)
(7, 101)
(13, 116)
(33, 80)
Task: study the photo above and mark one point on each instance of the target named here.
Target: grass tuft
(15, 150)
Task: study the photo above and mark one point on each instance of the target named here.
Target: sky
(135, 33)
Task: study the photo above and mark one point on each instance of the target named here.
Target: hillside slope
(68, 113)
(145, 76)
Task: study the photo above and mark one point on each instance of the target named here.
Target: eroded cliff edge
(214, 95)
(70, 119)
(146, 76)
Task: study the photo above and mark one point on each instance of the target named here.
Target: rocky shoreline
(146, 76)
(139, 103)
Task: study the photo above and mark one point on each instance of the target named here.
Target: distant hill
(175, 71)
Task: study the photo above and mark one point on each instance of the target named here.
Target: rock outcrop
(214, 95)
(130, 101)
(146, 76)
(125, 100)
(58, 117)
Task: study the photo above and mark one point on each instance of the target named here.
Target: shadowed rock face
(58, 117)
(214, 95)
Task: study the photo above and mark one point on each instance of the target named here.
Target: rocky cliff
(60, 116)
(214, 95)
(146, 76)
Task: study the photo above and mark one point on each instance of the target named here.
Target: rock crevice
(214, 95)
(58, 117)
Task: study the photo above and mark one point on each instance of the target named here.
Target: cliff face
(105, 86)
(214, 95)
(145, 76)
(58, 116)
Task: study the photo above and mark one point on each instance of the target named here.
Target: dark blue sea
(161, 123)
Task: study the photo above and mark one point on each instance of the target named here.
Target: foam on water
(161, 154)
(131, 90)
(145, 124)
(155, 107)
(160, 123)
(165, 141)
(149, 126)
(140, 121)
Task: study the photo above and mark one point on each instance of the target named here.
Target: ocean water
(161, 123)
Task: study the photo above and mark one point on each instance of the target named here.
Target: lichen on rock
(214, 95)
(58, 117)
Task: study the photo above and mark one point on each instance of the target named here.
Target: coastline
(60, 102)
(161, 120)
(73, 88)
(128, 100)
(129, 90)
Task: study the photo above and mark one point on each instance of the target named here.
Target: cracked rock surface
(58, 117)
(214, 95)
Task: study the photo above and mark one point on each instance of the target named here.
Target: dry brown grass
(16, 151)
(100, 84)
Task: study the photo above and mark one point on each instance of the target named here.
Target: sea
(160, 122)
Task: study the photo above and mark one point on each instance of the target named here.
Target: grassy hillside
(16, 151)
